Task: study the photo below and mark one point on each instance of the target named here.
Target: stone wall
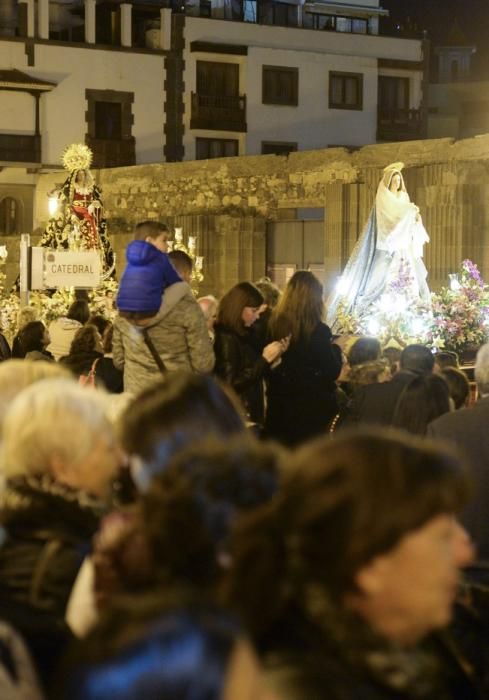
(228, 202)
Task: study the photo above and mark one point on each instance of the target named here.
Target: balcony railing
(400, 125)
(112, 153)
(218, 112)
(20, 148)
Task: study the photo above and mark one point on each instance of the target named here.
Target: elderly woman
(346, 575)
(58, 457)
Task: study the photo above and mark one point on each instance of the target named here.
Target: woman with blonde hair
(301, 389)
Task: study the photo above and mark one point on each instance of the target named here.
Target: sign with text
(67, 269)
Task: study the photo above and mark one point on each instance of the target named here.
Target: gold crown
(77, 157)
(397, 167)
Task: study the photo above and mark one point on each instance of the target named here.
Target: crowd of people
(220, 500)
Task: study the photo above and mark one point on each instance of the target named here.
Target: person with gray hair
(467, 429)
(58, 457)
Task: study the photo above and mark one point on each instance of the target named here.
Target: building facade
(167, 81)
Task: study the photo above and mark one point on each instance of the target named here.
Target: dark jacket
(239, 363)
(302, 389)
(468, 430)
(352, 663)
(5, 352)
(108, 376)
(47, 532)
(81, 362)
(376, 403)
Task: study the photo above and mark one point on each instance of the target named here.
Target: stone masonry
(228, 202)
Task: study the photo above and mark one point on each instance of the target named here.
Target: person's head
(25, 315)
(79, 311)
(364, 350)
(171, 415)
(364, 522)
(481, 370)
(57, 428)
(100, 322)
(393, 178)
(417, 358)
(271, 293)
(395, 182)
(300, 308)
(207, 486)
(209, 305)
(16, 375)
(107, 339)
(239, 308)
(153, 232)
(393, 357)
(458, 386)
(86, 340)
(83, 178)
(424, 399)
(445, 358)
(197, 654)
(34, 336)
(373, 372)
(182, 263)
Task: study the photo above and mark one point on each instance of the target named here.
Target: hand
(273, 351)
(285, 342)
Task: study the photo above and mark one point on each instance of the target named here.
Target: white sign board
(64, 269)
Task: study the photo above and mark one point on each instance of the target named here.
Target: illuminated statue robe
(390, 248)
(79, 222)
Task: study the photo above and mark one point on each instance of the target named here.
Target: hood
(67, 324)
(143, 253)
(148, 273)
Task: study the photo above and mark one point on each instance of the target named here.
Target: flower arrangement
(461, 314)
(397, 317)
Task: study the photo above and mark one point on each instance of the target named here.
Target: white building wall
(17, 113)
(311, 124)
(74, 70)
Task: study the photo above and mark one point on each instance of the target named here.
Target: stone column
(90, 34)
(43, 19)
(165, 28)
(126, 24)
(26, 17)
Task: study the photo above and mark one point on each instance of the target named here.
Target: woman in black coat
(302, 389)
(238, 361)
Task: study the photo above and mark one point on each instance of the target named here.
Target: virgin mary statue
(386, 266)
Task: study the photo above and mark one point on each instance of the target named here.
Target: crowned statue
(386, 266)
(78, 221)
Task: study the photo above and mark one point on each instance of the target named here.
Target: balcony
(218, 112)
(112, 153)
(20, 148)
(400, 125)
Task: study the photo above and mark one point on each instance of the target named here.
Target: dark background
(460, 22)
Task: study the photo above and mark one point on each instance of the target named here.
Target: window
(280, 86)
(108, 120)
(109, 127)
(393, 98)
(345, 90)
(217, 79)
(278, 148)
(284, 14)
(9, 216)
(215, 148)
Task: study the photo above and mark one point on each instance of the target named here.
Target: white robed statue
(387, 260)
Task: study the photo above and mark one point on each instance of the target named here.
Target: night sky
(440, 17)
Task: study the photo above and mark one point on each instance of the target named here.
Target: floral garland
(461, 314)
